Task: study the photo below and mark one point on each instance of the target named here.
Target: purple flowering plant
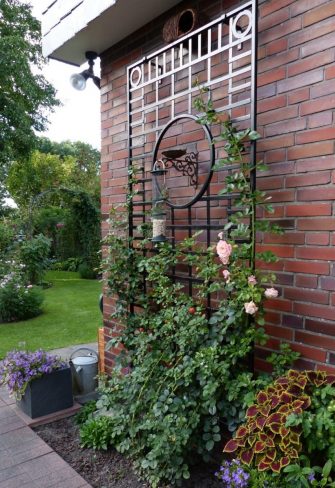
(233, 475)
(19, 368)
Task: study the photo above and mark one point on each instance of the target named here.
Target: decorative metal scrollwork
(184, 162)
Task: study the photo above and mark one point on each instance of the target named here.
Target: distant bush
(70, 264)
(34, 254)
(18, 301)
(86, 272)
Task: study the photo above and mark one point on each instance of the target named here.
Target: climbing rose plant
(186, 370)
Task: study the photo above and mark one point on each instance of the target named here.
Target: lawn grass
(71, 316)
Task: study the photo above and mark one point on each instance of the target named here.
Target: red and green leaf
(242, 431)
(252, 411)
(259, 446)
(247, 456)
(262, 397)
(231, 446)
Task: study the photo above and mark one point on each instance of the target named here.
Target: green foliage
(25, 94)
(96, 433)
(85, 412)
(18, 300)
(7, 235)
(34, 254)
(281, 361)
(70, 264)
(86, 272)
(270, 440)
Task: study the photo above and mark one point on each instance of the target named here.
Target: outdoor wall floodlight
(78, 80)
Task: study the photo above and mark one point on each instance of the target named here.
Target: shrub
(86, 272)
(291, 426)
(34, 254)
(18, 300)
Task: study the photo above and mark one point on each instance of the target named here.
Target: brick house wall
(296, 102)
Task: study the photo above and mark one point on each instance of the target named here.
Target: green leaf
(209, 445)
(327, 468)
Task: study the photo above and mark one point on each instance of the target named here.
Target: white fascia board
(94, 25)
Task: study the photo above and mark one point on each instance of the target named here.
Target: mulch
(108, 469)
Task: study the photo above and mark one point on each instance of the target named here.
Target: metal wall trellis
(222, 56)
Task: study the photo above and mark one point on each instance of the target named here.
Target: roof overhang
(73, 27)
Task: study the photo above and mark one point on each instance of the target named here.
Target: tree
(25, 95)
(83, 168)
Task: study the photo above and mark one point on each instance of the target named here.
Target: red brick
(290, 26)
(310, 150)
(308, 210)
(270, 183)
(272, 76)
(271, 62)
(321, 223)
(321, 327)
(286, 238)
(330, 72)
(309, 352)
(322, 89)
(301, 7)
(324, 254)
(293, 321)
(312, 179)
(309, 63)
(316, 164)
(273, 19)
(328, 283)
(306, 281)
(298, 96)
(312, 268)
(276, 142)
(325, 42)
(276, 46)
(276, 156)
(317, 340)
(302, 295)
(282, 196)
(318, 14)
(318, 239)
(280, 332)
(272, 103)
(273, 6)
(317, 311)
(285, 126)
(311, 33)
(278, 115)
(280, 251)
(308, 194)
(299, 81)
(320, 119)
(320, 105)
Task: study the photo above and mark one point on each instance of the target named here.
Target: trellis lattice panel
(162, 87)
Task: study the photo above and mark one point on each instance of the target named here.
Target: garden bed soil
(107, 469)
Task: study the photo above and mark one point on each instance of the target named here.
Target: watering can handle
(84, 349)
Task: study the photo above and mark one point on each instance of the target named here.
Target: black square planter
(48, 394)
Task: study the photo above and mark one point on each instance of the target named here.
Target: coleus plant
(265, 440)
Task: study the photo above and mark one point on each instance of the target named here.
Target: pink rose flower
(224, 251)
(29, 286)
(252, 280)
(271, 293)
(250, 308)
(226, 275)
(220, 236)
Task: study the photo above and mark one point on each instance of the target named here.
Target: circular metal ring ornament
(211, 148)
(238, 33)
(136, 71)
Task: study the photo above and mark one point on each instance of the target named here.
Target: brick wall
(296, 102)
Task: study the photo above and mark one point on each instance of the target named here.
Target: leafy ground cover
(71, 316)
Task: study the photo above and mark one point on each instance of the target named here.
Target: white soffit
(71, 27)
